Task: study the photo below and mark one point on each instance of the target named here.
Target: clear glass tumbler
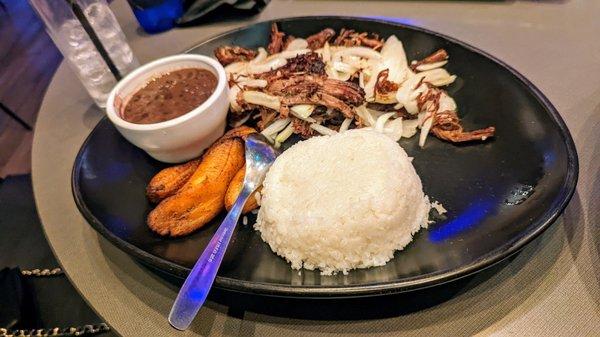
(63, 21)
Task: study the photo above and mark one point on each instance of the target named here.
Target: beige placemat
(550, 289)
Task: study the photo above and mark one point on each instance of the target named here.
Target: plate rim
(540, 224)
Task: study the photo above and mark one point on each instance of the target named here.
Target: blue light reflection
(549, 158)
(465, 220)
(402, 20)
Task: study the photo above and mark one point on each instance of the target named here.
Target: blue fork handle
(197, 285)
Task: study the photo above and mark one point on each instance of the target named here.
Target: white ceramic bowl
(181, 138)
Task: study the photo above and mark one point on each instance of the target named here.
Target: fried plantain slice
(201, 198)
(235, 187)
(168, 181)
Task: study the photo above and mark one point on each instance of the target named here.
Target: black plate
(499, 194)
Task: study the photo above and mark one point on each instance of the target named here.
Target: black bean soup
(169, 96)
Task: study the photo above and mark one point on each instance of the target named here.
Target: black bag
(18, 307)
(213, 10)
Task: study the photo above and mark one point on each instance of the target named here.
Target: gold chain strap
(42, 272)
(85, 330)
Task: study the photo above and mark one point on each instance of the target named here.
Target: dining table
(550, 288)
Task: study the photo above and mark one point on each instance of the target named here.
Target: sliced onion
(322, 130)
(425, 130)
(342, 76)
(369, 86)
(236, 68)
(361, 79)
(268, 65)
(331, 73)
(446, 81)
(393, 129)
(365, 115)
(375, 114)
(258, 83)
(307, 119)
(446, 103)
(297, 44)
(302, 111)
(394, 59)
(232, 96)
(260, 57)
(345, 124)
(430, 66)
(276, 126)
(409, 127)
(260, 98)
(284, 135)
(237, 78)
(382, 120)
(407, 94)
(357, 51)
(421, 117)
(355, 61)
(288, 54)
(343, 67)
(438, 77)
(326, 55)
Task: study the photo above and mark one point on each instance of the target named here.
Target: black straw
(95, 40)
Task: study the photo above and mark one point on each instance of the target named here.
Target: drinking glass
(91, 40)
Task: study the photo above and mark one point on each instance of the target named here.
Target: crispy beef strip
(429, 99)
(320, 98)
(276, 43)
(343, 36)
(310, 63)
(391, 108)
(330, 101)
(349, 92)
(319, 39)
(438, 56)
(350, 38)
(302, 128)
(372, 41)
(308, 85)
(382, 85)
(230, 54)
(446, 125)
(298, 85)
(266, 117)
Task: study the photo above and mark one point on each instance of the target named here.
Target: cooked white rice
(341, 202)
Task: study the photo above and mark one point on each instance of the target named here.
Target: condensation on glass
(78, 48)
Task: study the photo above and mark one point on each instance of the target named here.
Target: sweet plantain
(235, 187)
(201, 198)
(168, 181)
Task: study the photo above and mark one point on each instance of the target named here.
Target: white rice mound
(341, 202)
